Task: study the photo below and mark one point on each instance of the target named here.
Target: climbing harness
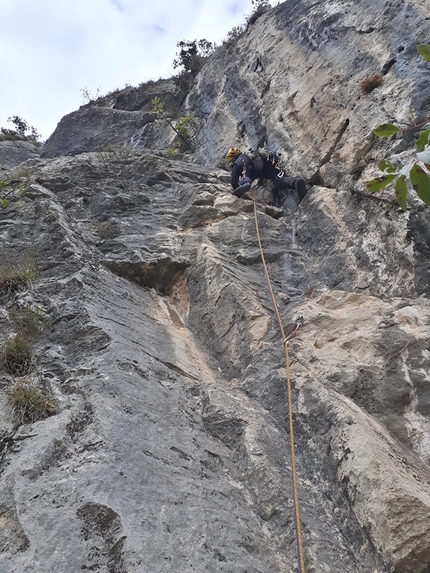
(285, 340)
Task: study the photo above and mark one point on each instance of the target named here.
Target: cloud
(51, 50)
(118, 4)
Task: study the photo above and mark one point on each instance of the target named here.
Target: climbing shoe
(247, 196)
(274, 212)
(239, 191)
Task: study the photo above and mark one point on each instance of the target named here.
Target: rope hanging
(285, 340)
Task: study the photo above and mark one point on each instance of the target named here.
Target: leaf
(157, 105)
(406, 169)
(387, 166)
(424, 156)
(385, 130)
(379, 183)
(422, 140)
(424, 51)
(421, 183)
(401, 191)
(4, 203)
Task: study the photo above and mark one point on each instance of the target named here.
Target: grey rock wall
(168, 449)
(122, 118)
(169, 445)
(293, 81)
(12, 153)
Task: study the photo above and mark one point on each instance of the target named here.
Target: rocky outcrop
(12, 153)
(166, 447)
(123, 118)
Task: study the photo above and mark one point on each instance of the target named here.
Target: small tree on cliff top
(22, 130)
(190, 60)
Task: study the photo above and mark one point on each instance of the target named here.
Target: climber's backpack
(264, 157)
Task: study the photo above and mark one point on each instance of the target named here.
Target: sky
(53, 50)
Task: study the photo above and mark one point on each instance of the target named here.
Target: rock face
(168, 449)
(12, 153)
(118, 119)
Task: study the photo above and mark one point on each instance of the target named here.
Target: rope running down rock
(285, 340)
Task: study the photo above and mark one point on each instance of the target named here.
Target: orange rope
(290, 407)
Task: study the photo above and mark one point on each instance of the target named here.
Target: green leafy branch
(6, 191)
(186, 127)
(418, 170)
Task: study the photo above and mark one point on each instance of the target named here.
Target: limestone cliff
(167, 447)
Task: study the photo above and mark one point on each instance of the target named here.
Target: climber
(267, 165)
(242, 171)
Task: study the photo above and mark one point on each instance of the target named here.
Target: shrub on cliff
(417, 172)
(28, 401)
(260, 8)
(186, 127)
(18, 354)
(17, 274)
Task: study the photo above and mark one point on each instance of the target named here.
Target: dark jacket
(242, 171)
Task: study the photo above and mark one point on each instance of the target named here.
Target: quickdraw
(300, 321)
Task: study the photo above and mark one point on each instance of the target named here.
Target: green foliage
(189, 60)
(260, 7)
(30, 322)
(29, 403)
(380, 182)
(418, 171)
(9, 189)
(420, 182)
(18, 274)
(19, 173)
(423, 140)
(185, 127)
(401, 190)
(18, 354)
(385, 130)
(116, 154)
(233, 35)
(23, 131)
(424, 51)
(192, 55)
(157, 106)
(4, 193)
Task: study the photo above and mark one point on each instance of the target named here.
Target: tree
(417, 172)
(186, 127)
(190, 59)
(20, 131)
(260, 7)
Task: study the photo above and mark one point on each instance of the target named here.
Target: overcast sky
(50, 50)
